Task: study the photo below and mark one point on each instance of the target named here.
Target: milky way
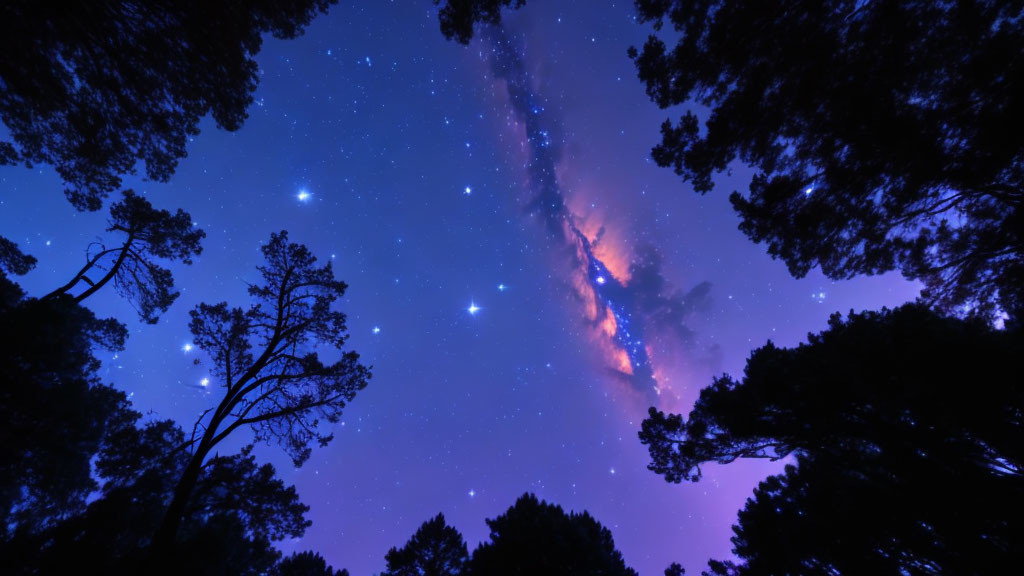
(623, 310)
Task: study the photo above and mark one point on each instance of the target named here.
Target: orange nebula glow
(609, 326)
(607, 240)
(607, 246)
(622, 363)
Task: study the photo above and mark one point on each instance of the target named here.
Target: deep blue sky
(386, 126)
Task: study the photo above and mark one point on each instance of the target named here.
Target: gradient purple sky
(417, 178)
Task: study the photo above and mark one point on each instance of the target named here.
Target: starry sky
(523, 279)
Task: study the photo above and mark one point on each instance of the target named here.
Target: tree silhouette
(100, 86)
(908, 442)
(13, 260)
(265, 358)
(237, 509)
(55, 414)
(306, 564)
(821, 518)
(436, 549)
(887, 135)
(534, 537)
(458, 17)
(675, 569)
(148, 234)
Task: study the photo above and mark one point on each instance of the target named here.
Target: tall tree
(908, 439)
(97, 87)
(887, 135)
(146, 235)
(265, 358)
(436, 549)
(534, 537)
(55, 413)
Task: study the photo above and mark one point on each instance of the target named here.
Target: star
(600, 280)
(473, 308)
(472, 493)
(186, 347)
(467, 191)
(376, 329)
(502, 287)
(204, 382)
(304, 195)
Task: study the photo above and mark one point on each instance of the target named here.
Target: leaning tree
(144, 234)
(265, 358)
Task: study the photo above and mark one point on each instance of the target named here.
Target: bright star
(472, 493)
(502, 287)
(204, 382)
(376, 329)
(186, 347)
(304, 195)
(601, 280)
(809, 190)
(467, 191)
(473, 308)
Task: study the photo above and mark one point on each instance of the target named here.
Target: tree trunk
(167, 533)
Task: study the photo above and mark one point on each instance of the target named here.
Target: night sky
(523, 279)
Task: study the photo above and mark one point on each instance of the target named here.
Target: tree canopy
(436, 549)
(306, 564)
(99, 87)
(886, 135)
(146, 235)
(237, 509)
(907, 434)
(55, 413)
(534, 537)
(84, 482)
(266, 361)
(13, 260)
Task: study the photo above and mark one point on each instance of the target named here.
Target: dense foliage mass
(534, 537)
(436, 549)
(886, 135)
(459, 17)
(98, 87)
(906, 431)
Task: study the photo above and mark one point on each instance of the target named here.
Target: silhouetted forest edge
(885, 136)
